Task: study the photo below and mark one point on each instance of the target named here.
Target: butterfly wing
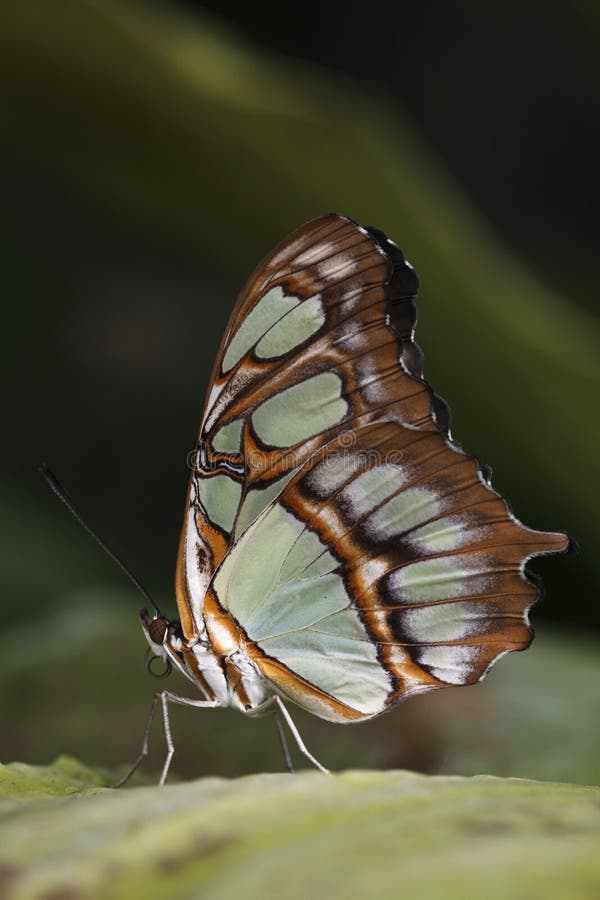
(332, 525)
(319, 342)
(387, 566)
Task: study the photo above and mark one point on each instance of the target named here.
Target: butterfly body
(338, 548)
(226, 676)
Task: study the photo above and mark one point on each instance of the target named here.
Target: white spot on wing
(352, 338)
(404, 511)
(369, 381)
(446, 534)
(336, 265)
(441, 579)
(212, 397)
(372, 569)
(287, 252)
(443, 622)
(313, 254)
(369, 489)
(451, 664)
(333, 472)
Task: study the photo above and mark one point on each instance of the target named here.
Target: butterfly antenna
(57, 488)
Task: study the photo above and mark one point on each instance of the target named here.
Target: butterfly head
(156, 630)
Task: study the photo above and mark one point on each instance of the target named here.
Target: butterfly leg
(280, 709)
(283, 741)
(296, 735)
(165, 697)
(145, 743)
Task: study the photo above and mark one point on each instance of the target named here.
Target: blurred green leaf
(67, 776)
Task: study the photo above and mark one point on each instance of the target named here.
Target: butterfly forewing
(312, 350)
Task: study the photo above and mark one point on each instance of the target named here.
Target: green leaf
(355, 834)
(19, 781)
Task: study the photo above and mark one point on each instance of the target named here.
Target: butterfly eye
(157, 629)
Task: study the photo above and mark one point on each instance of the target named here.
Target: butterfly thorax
(230, 678)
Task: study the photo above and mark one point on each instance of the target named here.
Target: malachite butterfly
(339, 549)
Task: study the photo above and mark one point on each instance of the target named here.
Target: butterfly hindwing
(387, 566)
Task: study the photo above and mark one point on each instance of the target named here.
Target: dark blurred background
(151, 153)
